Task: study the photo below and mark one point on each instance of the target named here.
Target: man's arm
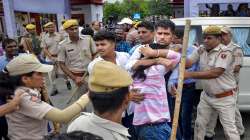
(145, 62)
(12, 105)
(66, 70)
(209, 74)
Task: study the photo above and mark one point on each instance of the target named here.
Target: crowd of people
(123, 81)
(214, 10)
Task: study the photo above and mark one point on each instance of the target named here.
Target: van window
(241, 36)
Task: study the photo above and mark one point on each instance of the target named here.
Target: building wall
(91, 12)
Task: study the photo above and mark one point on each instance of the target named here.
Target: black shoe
(242, 136)
(208, 138)
(68, 85)
(54, 93)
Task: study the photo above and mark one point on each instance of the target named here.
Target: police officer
(218, 84)
(238, 59)
(31, 42)
(29, 121)
(75, 54)
(50, 44)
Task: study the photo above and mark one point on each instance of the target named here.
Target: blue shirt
(173, 79)
(123, 46)
(3, 62)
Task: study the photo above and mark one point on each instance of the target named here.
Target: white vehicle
(241, 36)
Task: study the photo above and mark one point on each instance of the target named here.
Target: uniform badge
(223, 56)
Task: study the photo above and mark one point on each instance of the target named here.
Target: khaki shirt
(94, 124)
(51, 42)
(28, 122)
(219, 57)
(237, 56)
(77, 55)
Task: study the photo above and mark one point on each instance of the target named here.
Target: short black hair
(106, 102)
(165, 24)
(104, 35)
(7, 41)
(146, 24)
(75, 135)
(88, 31)
(179, 33)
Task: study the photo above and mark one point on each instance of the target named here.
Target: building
(20, 12)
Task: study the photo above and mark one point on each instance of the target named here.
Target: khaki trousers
(225, 107)
(213, 122)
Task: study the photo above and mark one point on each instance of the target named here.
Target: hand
(79, 81)
(173, 91)
(135, 96)
(148, 52)
(164, 61)
(16, 100)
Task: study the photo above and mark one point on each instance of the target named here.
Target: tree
(127, 8)
(160, 7)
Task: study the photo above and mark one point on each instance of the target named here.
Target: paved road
(64, 94)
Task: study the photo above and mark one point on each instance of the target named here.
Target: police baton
(180, 80)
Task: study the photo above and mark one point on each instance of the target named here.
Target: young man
(11, 50)
(146, 34)
(154, 123)
(105, 45)
(121, 44)
(109, 94)
(75, 55)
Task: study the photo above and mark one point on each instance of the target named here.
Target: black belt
(189, 85)
(153, 124)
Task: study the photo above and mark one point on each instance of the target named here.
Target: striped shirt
(154, 108)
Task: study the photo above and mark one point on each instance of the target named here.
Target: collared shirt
(3, 62)
(237, 56)
(173, 79)
(78, 54)
(51, 42)
(94, 124)
(121, 60)
(123, 46)
(154, 108)
(28, 122)
(219, 57)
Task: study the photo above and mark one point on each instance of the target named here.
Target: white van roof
(220, 21)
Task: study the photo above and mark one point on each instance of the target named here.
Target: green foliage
(160, 7)
(128, 7)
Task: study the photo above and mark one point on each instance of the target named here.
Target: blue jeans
(171, 105)
(188, 102)
(161, 131)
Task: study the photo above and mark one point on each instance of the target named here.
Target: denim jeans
(171, 105)
(161, 131)
(188, 102)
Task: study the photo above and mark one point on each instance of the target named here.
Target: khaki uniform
(31, 44)
(51, 42)
(106, 129)
(77, 56)
(238, 60)
(30, 115)
(219, 57)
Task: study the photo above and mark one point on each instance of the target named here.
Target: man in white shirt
(105, 46)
